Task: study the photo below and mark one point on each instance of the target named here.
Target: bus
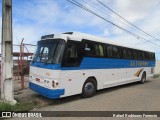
(77, 63)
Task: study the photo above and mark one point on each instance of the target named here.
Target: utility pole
(7, 92)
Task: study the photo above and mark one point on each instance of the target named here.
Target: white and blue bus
(77, 63)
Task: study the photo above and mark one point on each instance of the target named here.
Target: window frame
(94, 43)
(79, 54)
(132, 51)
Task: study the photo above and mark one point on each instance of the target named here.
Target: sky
(34, 18)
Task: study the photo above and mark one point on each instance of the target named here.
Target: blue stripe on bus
(53, 94)
(45, 65)
(100, 63)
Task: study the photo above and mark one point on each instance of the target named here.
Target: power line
(86, 2)
(90, 11)
(103, 11)
(97, 8)
(128, 21)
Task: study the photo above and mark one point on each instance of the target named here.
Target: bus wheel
(143, 78)
(89, 88)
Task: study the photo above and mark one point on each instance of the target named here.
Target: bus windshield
(49, 51)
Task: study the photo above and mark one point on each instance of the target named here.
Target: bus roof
(78, 36)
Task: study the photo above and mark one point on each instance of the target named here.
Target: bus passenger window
(101, 50)
(94, 50)
(109, 51)
(139, 55)
(89, 48)
(71, 56)
(135, 55)
(113, 52)
(126, 53)
(116, 52)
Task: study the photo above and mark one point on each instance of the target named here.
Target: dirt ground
(130, 97)
(26, 95)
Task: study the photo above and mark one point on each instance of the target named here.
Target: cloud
(106, 33)
(34, 18)
(31, 21)
(135, 10)
(37, 18)
(144, 14)
(151, 24)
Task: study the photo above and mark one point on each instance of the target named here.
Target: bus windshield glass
(49, 51)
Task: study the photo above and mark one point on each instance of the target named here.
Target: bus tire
(143, 78)
(89, 88)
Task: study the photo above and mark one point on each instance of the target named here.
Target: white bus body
(57, 79)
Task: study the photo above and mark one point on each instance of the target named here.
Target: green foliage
(6, 106)
(17, 107)
(156, 76)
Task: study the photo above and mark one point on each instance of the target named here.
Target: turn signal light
(37, 79)
(54, 83)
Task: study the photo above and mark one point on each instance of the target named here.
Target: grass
(17, 107)
(156, 76)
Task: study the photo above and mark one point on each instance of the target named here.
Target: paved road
(131, 97)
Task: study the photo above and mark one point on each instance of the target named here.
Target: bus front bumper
(52, 94)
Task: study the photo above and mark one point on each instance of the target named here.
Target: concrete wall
(157, 68)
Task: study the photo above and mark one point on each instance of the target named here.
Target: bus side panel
(73, 80)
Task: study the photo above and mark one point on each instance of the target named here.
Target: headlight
(55, 83)
(46, 83)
